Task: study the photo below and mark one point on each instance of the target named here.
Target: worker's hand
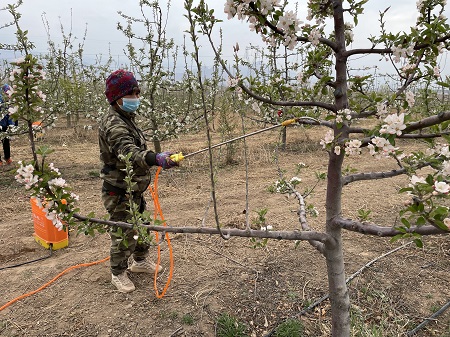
(163, 160)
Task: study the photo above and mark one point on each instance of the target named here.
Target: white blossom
(446, 167)
(256, 108)
(436, 71)
(417, 180)
(381, 148)
(441, 187)
(337, 150)
(267, 228)
(329, 137)
(409, 95)
(295, 180)
(353, 147)
(57, 182)
(382, 109)
(394, 124)
(447, 222)
(314, 36)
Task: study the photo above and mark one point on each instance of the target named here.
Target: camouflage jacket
(118, 134)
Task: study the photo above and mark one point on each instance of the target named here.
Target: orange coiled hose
(158, 212)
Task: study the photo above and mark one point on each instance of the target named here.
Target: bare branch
(427, 122)
(374, 229)
(367, 51)
(304, 222)
(372, 176)
(383, 51)
(427, 320)
(330, 107)
(278, 235)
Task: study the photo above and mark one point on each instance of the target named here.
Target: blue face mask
(130, 104)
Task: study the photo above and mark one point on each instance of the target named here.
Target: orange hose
(158, 211)
(51, 281)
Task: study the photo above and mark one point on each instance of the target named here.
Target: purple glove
(163, 160)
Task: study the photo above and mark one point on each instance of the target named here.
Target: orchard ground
(259, 287)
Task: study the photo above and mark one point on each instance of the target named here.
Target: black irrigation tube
(427, 320)
(27, 262)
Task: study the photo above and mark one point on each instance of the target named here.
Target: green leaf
(446, 85)
(420, 221)
(396, 237)
(418, 243)
(405, 222)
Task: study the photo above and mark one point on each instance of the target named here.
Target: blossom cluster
(288, 23)
(400, 52)
(353, 147)
(409, 96)
(439, 149)
(25, 175)
(49, 189)
(283, 186)
(424, 193)
(380, 147)
(24, 78)
(344, 114)
(329, 138)
(395, 123)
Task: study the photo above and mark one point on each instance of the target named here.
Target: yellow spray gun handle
(177, 157)
(289, 121)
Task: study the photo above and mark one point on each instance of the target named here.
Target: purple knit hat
(119, 84)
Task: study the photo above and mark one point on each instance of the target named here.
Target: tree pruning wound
(177, 157)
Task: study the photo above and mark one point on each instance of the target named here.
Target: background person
(5, 123)
(119, 134)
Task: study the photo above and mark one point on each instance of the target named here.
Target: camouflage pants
(117, 207)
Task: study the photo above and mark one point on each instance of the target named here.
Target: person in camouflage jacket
(120, 135)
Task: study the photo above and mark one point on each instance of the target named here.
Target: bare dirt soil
(260, 287)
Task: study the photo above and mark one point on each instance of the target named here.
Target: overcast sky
(101, 18)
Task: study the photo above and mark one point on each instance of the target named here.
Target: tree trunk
(339, 298)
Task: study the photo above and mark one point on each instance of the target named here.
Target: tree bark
(339, 297)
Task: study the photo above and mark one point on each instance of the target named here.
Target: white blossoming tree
(25, 102)
(327, 39)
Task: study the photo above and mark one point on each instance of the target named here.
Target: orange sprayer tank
(45, 233)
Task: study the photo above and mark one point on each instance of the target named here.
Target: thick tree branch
(371, 176)
(427, 122)
(367, 51)
(373, 229)
(278, 235)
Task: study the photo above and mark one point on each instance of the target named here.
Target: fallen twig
(177, 332)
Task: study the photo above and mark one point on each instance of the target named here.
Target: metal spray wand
(177, 157)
